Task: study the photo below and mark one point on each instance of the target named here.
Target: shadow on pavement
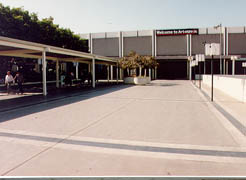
(19, 107)
(162, 84)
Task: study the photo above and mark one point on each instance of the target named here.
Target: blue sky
(83, 16)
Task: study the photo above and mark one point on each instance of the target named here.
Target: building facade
(173, 47)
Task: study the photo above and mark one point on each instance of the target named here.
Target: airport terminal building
(172, 47)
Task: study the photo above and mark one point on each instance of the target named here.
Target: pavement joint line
(131, 147)
(63, 139)
(123, 141)
(224, 118)
(228, 116)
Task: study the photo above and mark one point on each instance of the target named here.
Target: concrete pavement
(165, 128)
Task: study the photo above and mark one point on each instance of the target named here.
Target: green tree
(134, 61)
(20, 24)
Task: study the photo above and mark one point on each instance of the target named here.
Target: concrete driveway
(165, 128)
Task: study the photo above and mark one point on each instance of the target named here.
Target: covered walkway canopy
(19, 48)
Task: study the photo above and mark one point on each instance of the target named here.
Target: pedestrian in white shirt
(9, 80)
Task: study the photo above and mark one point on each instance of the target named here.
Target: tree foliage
(134, 60)
(20, 24)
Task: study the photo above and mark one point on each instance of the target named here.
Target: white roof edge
(6, 41)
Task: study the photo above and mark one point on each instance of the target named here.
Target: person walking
(9, 80)
(19, 79)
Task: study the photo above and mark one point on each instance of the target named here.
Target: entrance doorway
(172, 69)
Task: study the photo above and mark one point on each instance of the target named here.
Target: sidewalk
(165, 128)
(14, 101)
(234, 107)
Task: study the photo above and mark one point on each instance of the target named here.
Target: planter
(137, 80)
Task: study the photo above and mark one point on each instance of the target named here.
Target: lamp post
(201, 59)
(190, 59)
(233, 58)
(199, 69)
(211, 50)
(196, 63)
(216, 27)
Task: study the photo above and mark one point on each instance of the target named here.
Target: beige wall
(142, 45)
(171, 45)
(197, 42)
(237, 43)
(106, 47)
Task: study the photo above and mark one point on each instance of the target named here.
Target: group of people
(67, 80)
(10, 81)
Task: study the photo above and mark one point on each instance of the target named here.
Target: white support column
(190, 74)
(117, 74)
(227, 42)
(44, 73)
(153, 43)
(93, 73)
(233, 67)
(108, 72)
(112, 72)
(150, 74)
(57, 74)
(190, 44)
(188, 69)
(77, 70)
(122, 45)
(121, 74)
(91, 43)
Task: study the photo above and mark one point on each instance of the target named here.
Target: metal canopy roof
(19, 48)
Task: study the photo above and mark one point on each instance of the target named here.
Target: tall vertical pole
(91, 43)
(190, 62)
(77, 70)
(233, 67)
(212, 81)
(117, 74)
(112, 72)
(93, 73)
(121, 77)
(200, 83)
(44, 73)
(150, 74)
(188, 68)
(57, 74)
(108, 73)
(195, 74)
